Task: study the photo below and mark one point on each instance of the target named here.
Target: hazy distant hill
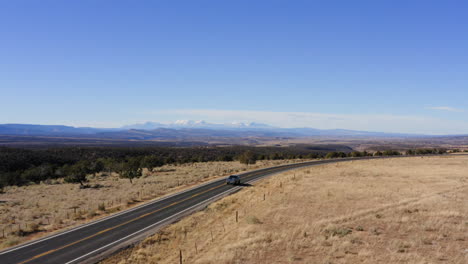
(183, 130)
(186, 133)
(199, 124)
(26, 129)
(257, 127)
(197, 133)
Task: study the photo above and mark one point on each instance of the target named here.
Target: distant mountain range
(44, 130)
(199, 124)
(183, 130)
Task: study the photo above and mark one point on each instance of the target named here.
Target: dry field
(32, 211)
(400, 210)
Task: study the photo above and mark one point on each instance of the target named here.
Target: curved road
(91, 242)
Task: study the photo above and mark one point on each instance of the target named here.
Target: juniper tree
(131, 169)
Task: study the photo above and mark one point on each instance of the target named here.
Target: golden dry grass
(32, 211)
(401, 210)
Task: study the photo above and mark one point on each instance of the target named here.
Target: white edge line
(230, 190)
(106, 218)
(160, 199)
(172, 216)
(27, 244)
(150, 226)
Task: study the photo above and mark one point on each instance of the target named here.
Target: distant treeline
(410, 152)
(24, 166)
(19, 166)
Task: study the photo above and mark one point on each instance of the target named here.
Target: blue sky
(394, 66)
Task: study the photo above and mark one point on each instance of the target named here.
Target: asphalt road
(89, 242)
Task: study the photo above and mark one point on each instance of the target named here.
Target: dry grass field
(400, 210)
(29, 212)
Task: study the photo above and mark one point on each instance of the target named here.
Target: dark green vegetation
(248, 157)
(19, 166)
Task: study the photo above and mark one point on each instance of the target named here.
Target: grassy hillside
(402, 210)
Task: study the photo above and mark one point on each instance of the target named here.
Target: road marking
(251, 173)
(114, 227)
(135, 219)
(122, 224)
(150, 226)
(266, 171)
(107, 217)
(172, 216)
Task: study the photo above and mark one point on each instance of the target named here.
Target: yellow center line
(129, 221)
(117, 226)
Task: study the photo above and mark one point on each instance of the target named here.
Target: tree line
(20, 166)
(410, 152)
(73, 164)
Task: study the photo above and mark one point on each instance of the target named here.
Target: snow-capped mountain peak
(178, 124)
(189, 123)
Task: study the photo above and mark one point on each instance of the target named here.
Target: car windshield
(232, 177)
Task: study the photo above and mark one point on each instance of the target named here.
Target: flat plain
(398, 210)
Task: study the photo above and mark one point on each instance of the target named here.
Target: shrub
(131, 169)
(102, 207)
(77, 173)
(334, 155)
(37, 174)
(32, 228)
(11, 242)
(337, 231)
(253, 220)
(150, 162)
(356, 154)
(391, 153)
(248, 157)
(331, 155)
(91, 213)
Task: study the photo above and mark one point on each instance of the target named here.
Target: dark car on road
(233, 179)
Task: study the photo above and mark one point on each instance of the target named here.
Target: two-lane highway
(89, 242)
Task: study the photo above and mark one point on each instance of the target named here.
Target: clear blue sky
(399, 66)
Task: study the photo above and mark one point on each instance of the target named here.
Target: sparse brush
(360, 193)
(337, 231)
(91, 214)
(32, 227)
(10, 242)
(102, 207)
(360, 190)
(253, 220)
(65, 203)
